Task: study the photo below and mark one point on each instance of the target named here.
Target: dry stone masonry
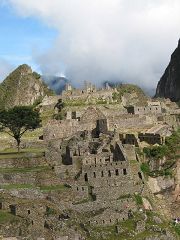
(89, 176)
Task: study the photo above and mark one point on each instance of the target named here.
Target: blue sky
(19, 37)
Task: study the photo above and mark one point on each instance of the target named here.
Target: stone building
(91, 119)
(99, 162)
(151, 108)
(155, 135)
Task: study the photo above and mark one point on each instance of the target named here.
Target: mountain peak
(24, 68)
(22, 87)
(169, 84)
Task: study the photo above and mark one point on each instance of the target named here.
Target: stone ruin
(92, 152)
(101, 171)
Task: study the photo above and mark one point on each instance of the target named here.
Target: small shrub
(145, 168)
(50, 211)
(59, 116)
(156, 152)
(36, 75)
(177, 229)
(168, 172)
(138, 199)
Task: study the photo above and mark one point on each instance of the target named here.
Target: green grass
(46, 116)
(6, 217)
(54, 188)
(24, 170)
(128, 224)
(27, 152)
(128, 228)
(30, 186)
(145, 168)
(73, 103)
(138, 199)
(109, 232)
(129, 88)
(20, 155)
(33, 134)
(177, 229)
(50, 211)
(16, 186)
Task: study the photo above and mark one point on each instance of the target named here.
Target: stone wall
(115, 205)
(100, 158)
(129, 121)
(151, 138)
(109, 170)
(17, 178)
(88, 94)
(143, 110)
(50, 101)
(81, 191)
(109, 217)
(23, 162)
(60, 129)
(170, 119)
(115, 189)
(131, 139)
(35, 213)
(35, 178)
(65, 128)
(130, 151)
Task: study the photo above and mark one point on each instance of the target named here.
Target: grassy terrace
(28, 135)
(30, 186)
(17, 186)
(25, 170)
(54, 188)
(28, 152)
(128, 228)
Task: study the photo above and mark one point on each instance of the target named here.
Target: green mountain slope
(22, 87)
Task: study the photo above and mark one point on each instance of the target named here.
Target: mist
(123, 40)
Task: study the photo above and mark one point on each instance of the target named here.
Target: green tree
(16, 121)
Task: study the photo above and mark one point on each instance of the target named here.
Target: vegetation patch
(50, 211)
(169, 151)
(6, 217)
(25, 170)
(145, 168)
(73, 103)
(138, 199)
(16, 186)
(24, 153)
(126, 230)
(128, 89)
(54, 188)
(177, 229)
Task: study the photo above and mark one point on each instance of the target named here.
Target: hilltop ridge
(22, 87)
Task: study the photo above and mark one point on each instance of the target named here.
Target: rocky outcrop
(169, 84)
(160, 184)
(22, 87)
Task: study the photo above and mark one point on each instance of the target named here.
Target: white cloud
(129, 40)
